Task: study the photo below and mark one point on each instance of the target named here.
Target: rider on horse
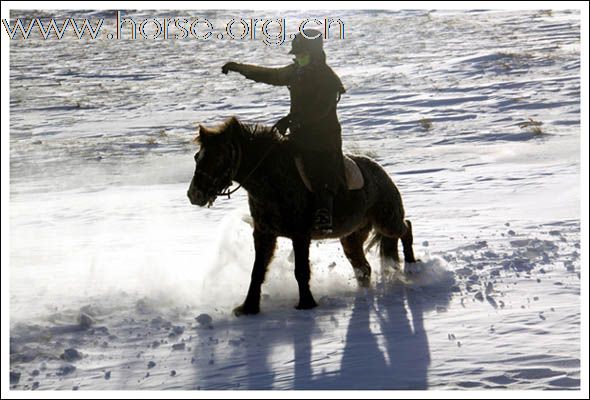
(313, 123)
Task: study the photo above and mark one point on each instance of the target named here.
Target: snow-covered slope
(475, 115)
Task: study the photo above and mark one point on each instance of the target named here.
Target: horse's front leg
(264, 244)
(302, 272)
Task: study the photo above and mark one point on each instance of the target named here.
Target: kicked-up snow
(117, 282)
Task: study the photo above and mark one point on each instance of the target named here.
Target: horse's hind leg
(407, 241)
(391, 232)
(389, 249)
(264, 244)
(353, 249)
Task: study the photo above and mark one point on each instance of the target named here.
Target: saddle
(354, 176)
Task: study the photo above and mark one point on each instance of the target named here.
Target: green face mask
(302, 59)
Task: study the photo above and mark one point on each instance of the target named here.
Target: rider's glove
(230, 66)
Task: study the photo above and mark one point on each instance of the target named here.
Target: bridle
(236, 159)
(226, 191)
(236, 150)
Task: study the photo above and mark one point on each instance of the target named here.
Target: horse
(261, 160)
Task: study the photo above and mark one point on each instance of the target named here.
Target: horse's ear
(201, 134)
(205, 133)
(197, 137)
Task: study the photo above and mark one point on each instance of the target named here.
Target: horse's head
(216, 162)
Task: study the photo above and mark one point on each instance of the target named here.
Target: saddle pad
(354, 176)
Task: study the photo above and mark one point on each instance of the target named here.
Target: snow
(113, 269)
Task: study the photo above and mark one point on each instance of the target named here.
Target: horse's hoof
(364, 282)
(245, 310)
(306, 305)
(363, 279)
(413, 268)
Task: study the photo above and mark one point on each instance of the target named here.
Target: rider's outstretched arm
(273, 76)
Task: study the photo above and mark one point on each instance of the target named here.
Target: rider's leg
(325, 171)
(324, 206)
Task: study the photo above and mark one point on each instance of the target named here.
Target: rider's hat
(310, 41)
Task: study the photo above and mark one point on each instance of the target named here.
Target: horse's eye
(196, 157)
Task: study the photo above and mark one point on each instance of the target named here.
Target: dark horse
(261, 161)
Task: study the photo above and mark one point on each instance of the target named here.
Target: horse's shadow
(385, 346)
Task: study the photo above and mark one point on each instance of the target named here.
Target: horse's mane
(255, 130)
(246, 131)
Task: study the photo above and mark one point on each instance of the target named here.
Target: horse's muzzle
(196, 198)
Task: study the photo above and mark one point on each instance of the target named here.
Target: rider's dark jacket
(315, 130)
(315, 90)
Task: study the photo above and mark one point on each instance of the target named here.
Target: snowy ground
(108, 257)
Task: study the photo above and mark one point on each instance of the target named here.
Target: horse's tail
(387, 248)
(387, 215)
(374, 240)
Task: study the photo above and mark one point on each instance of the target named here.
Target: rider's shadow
(406, 342)
(386, 346)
